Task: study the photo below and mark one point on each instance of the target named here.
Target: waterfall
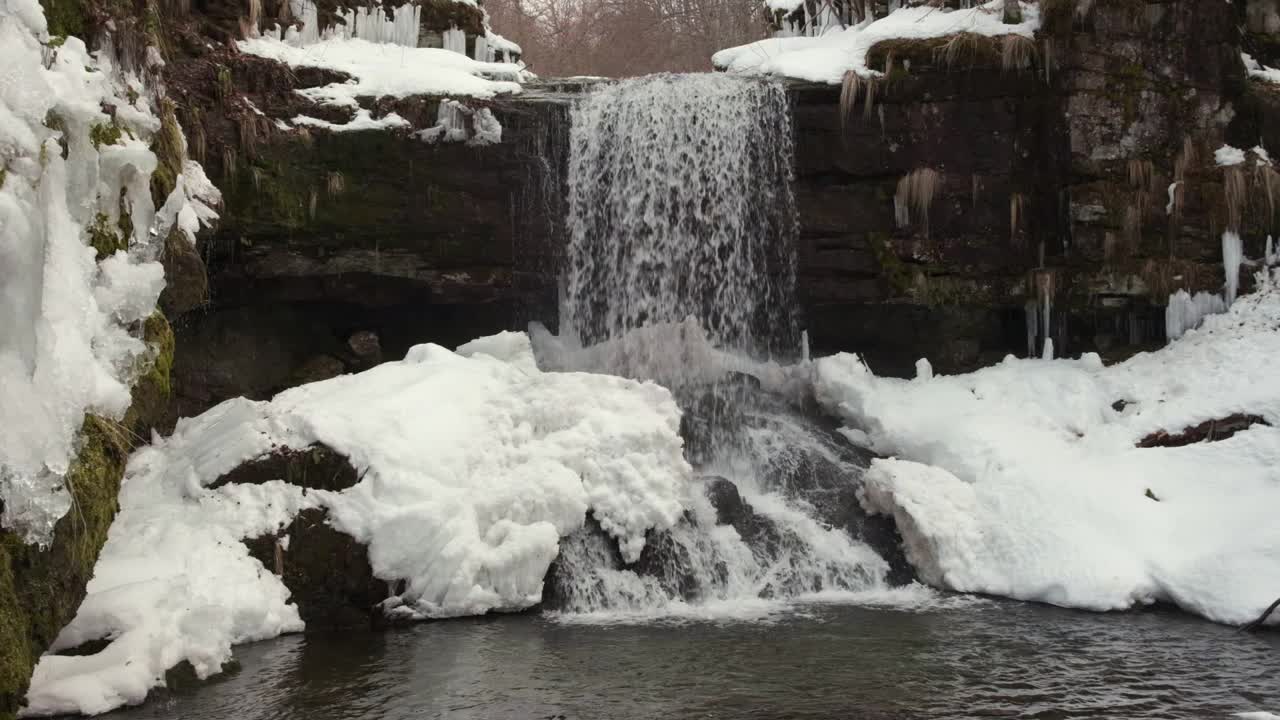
(680, 268)
(681, 205)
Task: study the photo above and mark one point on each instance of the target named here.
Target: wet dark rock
(327, 572)
(1209, 431)
(315, 468)
(317, 368)
(367, 349)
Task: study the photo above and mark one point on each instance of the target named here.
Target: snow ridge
(1025, 480)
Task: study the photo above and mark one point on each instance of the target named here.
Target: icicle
(1269, 257)
(456, 41)
(1033, 326)
(1232, 259)
(1048, 349)
(804, 346)
(1187, 313)
(482, 52)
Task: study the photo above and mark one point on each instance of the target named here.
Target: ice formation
(69, 337)
(474, 465)
(455, 122)
(835, 51)
(1025, 480)
(1232, 260)
(1185, 312)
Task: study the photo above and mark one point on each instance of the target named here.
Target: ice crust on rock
(474, 465)
(1025, 480)
(69, 341)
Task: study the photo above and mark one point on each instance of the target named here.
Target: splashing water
(681, 269)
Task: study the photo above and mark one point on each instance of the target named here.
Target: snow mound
(74, 157)
(474, 464)
(828, 57)
(1025, 480)
(386, 70)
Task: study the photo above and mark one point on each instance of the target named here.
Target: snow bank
(1024, 479)
(827, 58)
(69, 343)
(474, 464)
(382, 70)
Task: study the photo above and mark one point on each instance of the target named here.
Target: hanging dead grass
(1017, 53)
(914, 197)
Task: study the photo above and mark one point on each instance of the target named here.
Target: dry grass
(1017, 53)
(335, 184)
(229, 162)
(1017, 214)
(1267, 182)
(914, 198)
(1235, 196)
(853, 86)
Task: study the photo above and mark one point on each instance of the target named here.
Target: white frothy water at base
(680, 269)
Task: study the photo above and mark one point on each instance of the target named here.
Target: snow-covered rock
(1026, 480)
(828, 56)
(474, 465)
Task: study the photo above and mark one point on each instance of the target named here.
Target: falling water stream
(680, 269)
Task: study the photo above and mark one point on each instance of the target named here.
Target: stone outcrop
(1053, 165)
(327, 571)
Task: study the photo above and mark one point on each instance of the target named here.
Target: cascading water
(680, 269)
(680, 205)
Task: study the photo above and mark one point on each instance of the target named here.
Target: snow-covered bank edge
(827, 57)
(474, 465)
(1024, 480)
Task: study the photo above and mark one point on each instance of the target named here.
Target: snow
(1258, 70)
(1227, 156)
(191, 205)
(1024, 479)
(363, 120)
(69, 341)
(474, 465)
(828, 57)
(381, 70)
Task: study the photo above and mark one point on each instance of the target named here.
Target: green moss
(105, 134)
(169, 147)
(224, 84)
(891, 267)
(158, 334)
(3, 175)
(154, 385)
(41, 589)
(56, 41)
(106, 239)
(66, 17)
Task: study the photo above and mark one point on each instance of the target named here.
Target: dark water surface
(990, 659)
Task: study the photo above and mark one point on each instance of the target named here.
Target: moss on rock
(41, 589)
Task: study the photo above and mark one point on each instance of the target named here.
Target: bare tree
(625, 37)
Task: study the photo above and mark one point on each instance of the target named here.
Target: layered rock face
(1037, 179)
(333, 237)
